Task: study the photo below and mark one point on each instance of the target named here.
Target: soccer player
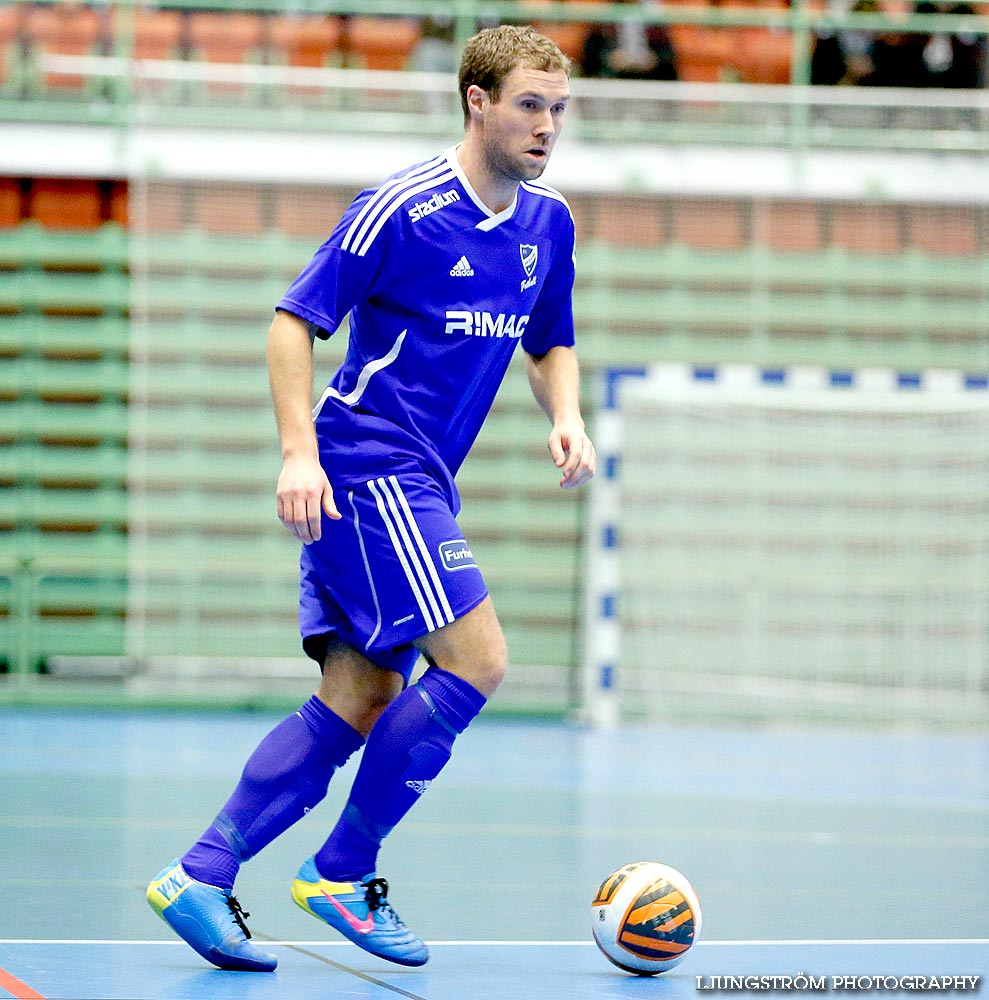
(444, 268)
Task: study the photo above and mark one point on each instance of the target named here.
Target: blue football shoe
(207, 918)
(361, 912)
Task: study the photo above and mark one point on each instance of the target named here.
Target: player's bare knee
(496, 665)
(357, 689)
(485, 668)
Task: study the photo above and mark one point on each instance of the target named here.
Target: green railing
(80, 403)
(271, 95)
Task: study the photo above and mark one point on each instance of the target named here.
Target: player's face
(522, 126)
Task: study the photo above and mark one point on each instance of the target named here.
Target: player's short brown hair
(493, 53)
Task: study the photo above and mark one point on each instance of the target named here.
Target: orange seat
(788, 225)
(629, 222)
(305, 41)
(10, 202)
(231, 37)
(867, 229)
(702, 53)
(11, 26)
(897, 8)
(234, 209)
(382, 42)
(569, 36)
(65, 203)
(946, 230)
(163, 208)
(762, 55)
(120, 202)
(63, 29)
(308, 212)
(156, 34)
(756, 4)
(709, 224)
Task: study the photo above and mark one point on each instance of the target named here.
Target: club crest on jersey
(530, 257)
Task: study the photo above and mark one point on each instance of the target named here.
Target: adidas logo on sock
(462, 269)
(419, 786)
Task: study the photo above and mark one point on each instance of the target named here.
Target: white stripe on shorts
(400, 552)
(424, 567)
(412, 552)
(367, 570)
(426, 557)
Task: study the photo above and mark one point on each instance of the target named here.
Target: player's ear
(477, 100)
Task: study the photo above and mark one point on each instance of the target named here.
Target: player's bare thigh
(472, 647)
(355, 688)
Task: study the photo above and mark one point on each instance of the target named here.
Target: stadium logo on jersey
(462, 269)
(439, 200)
(485, 324)
(457, 555)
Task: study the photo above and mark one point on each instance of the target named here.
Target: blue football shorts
(393, 569)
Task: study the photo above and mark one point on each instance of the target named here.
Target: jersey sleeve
(337, 277)
(551, 321)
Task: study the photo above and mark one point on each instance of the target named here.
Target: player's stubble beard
(513, 169)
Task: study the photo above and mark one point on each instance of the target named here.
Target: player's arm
(555, 381)
(303, 490)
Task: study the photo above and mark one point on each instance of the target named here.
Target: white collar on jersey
(491, 219)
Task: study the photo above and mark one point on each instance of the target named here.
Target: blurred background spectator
(955, 61)
(629, 50)
(894, 58)
(437, 50)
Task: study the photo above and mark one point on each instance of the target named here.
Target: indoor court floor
(826, 852)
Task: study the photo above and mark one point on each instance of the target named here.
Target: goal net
(790, 544)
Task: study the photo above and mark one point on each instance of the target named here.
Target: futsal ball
(645, 918)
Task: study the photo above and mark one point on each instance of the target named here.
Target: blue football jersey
(439, 290)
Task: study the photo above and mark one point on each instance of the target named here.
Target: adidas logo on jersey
(462, 269)
(418, 786)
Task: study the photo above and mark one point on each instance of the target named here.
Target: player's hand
(304, 494)
(573, 454)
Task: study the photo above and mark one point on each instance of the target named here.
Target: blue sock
(408, 747)
(285, 777)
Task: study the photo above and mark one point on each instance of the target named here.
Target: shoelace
(376, 898)
(239, 914)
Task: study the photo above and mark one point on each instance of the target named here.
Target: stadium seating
(381, 42)
(771, 281)
(146, 33)
(10, 202)
(762, 55)
(65, 203)
(235, 37)
(570, 36)
(234, 209)
(63, 29)
(307, 212)
(716, 51)
(703, 52)
(11, 27)
(789, 226)
(946, 230)
(64, 384)
(306, 41)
